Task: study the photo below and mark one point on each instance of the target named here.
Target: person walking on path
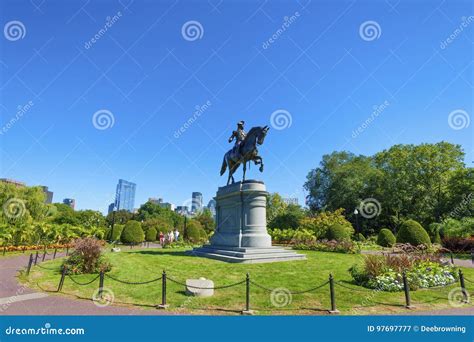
(176, 234)
(162, 239)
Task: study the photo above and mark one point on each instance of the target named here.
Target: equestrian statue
(244, 150)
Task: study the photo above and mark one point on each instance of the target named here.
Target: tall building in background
(16, 183)
(71, 202)
(196, 205)
(212, 207)
(111, 208)
(48, 195)
(125, 195)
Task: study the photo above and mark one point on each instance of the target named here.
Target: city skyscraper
(125, 195)
(196, 205)
(212, 207)
(71, 202)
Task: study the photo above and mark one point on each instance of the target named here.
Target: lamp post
(356, 213)
(113, 223)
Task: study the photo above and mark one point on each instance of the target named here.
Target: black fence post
(101, 283)
(61, 281)
(36, 258)
(30, 262)
(452, 259)
(406, 288)
(54, 255)
(4, 249)
(333, 310)
(463, 287)
(67, 251)
(44, 255)
(247, 310)
(163, 304)
(63, 276)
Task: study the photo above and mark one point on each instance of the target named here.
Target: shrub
(338, 232)
(386, 238)
(463, 228)
(195, 233)
(360, 237)
(86, 257)
(458, 245)
(320, 224)
(281, 235)
(150, 234)
(303, 236)
(132, 233)
(330, 246)
(413, 233)
(117, 232)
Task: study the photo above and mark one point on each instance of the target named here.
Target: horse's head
(261, 134)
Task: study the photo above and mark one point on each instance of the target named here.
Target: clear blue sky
(322, 69)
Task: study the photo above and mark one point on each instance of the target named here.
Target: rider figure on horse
(239, 136)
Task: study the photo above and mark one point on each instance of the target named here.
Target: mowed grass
(138, 265)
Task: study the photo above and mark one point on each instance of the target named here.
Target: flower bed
(384, 273)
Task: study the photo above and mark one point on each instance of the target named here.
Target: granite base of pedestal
(247, 255)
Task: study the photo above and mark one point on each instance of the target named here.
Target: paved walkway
(17, 299)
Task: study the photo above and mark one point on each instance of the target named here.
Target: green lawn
(145, 264)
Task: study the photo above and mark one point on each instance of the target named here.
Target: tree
(275, 206)
(290, 218)
(206, 220)
(120, 217)
(132, 233)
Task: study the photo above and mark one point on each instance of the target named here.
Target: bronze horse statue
(244, 153)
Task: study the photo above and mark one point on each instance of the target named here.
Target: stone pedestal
(241, 229)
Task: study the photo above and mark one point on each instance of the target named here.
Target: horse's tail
(224, 166)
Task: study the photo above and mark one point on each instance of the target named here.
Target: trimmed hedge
(117, 232)
(132, 232)
(338, 232)
(413, 233)
(386, 238)
(150, 234)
